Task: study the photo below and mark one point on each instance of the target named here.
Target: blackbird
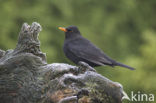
(77, 49)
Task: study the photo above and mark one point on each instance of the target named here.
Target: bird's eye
(69, 30)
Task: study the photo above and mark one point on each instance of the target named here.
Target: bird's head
(71, 31)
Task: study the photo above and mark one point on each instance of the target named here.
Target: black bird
(77, 49)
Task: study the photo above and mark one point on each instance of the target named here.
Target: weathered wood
(25, 76)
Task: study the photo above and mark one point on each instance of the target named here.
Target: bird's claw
(85, 66)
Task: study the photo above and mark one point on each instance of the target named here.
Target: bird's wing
(88, 51)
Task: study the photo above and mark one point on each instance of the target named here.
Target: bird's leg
(84, 66)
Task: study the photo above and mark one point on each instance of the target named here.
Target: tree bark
(25, 76)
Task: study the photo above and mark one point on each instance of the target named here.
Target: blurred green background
(123, 29)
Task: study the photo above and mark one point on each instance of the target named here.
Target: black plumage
(77, 48)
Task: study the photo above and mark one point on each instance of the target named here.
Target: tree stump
(25, 76)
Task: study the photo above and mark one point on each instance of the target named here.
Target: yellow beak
(63, 29)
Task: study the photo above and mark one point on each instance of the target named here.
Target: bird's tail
(123, 65)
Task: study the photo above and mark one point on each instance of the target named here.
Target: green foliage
(124, 29)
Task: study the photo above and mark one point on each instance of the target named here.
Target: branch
(25, 76)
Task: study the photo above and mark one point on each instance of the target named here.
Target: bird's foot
(84, 66)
